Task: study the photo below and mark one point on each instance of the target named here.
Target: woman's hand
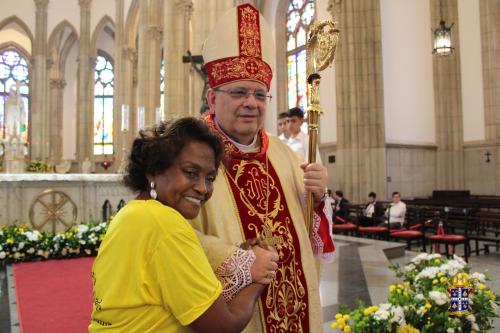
(265, 264)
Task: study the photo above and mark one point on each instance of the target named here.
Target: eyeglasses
(240, 93)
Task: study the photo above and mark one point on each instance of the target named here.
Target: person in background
(396, 212)
(297, 140)
(372, 213)
(151, 274)
(341, 212)
(283, 132)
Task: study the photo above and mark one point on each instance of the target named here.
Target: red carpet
(54, 296)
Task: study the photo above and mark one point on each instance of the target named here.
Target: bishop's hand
(315, 179)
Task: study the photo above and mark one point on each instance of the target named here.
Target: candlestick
(125, 111)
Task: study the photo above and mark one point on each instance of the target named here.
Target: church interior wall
(471, 69)
(71, 12)
(23, 9)
(409, 96)
(411, 170)
(407, 72)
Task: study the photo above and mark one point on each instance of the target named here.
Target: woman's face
(188, 182)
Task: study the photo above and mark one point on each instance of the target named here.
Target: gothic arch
(101, 26)
(59, 49)
(16, 20)
(131, 24)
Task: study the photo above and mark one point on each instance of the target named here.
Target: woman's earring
(152, 191)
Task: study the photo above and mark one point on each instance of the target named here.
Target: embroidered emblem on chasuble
(262, 209)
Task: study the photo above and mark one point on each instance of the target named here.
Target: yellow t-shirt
(151, 274)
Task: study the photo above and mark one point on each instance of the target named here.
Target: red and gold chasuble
(263, 212)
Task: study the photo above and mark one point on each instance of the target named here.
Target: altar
(55, 202)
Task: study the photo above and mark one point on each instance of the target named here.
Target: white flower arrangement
(422, 302)
(20, 243)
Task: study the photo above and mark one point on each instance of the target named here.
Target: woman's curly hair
(156, 149)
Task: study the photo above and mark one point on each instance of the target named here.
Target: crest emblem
(459, 296)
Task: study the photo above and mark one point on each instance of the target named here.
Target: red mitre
(239, 48)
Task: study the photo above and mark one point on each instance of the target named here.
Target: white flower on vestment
(438, 297)
(32, 236)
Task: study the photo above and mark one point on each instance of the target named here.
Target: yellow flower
(481, 286)
(338, 316)
(440, 274)
(10, 240)
(428, 305)
(346, 317)
(435, 281)
(334, 325)
(405, 293)
(341, 321)
(443, 279)
(347, 329)
(370, 310)
(407, 283)
(392, 288)
(437, 262)
(407, 329)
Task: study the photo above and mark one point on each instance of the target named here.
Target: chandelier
(442, 37)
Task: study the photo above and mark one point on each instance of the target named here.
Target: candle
(125, 117)
(159, 116)
(140, 118)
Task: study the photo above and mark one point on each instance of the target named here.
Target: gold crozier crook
(321, 47)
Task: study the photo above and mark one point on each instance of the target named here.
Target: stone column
(57, 85)
(84, 124)
(177, 39)
(150, 32)
(38, 108)
(448, 105)
(119, 140)
(360, 100)
(490, 30)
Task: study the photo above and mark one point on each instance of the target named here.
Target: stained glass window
(14, 75)
(299, 17)
(103, 105)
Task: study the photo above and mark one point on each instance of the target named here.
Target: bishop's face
(239, 117)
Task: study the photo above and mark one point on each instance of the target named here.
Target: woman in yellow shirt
(151, 274)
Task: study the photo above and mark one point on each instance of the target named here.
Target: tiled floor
(360, 271)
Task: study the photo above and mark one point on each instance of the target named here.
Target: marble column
(489, 11)
(178, 75)
(84, 124)
(360, 100)
(448, 104)
(149, 52)
(38, 108)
